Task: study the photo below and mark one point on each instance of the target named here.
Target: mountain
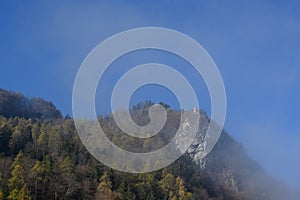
(42, 157)
(15, 104)
(228, 166)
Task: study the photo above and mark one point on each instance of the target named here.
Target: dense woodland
(42, 157)
(17, 105)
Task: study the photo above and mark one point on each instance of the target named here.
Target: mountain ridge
(14, 104)
(226, 173)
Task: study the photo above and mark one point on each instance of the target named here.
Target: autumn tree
(17, 185)
(104, 189)
(67, 184)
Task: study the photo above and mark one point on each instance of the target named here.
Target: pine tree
(104, 189)
(168, 185)
(36, 174)
(182, 193)
(1, 195)
(67, 184)
(17, 185)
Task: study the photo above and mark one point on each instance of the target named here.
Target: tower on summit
(195, 109)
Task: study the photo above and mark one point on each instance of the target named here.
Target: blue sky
(255, 44)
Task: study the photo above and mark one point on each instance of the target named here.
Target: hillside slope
(15, 104)
(45, 159)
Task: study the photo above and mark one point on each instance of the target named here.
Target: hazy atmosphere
(255, 45)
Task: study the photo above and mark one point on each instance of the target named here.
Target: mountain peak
(14, 104)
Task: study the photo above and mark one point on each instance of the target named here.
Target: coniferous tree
(17, 185)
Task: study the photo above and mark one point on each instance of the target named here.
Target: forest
(42, 157)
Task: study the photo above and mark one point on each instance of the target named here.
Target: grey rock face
(196, 150)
